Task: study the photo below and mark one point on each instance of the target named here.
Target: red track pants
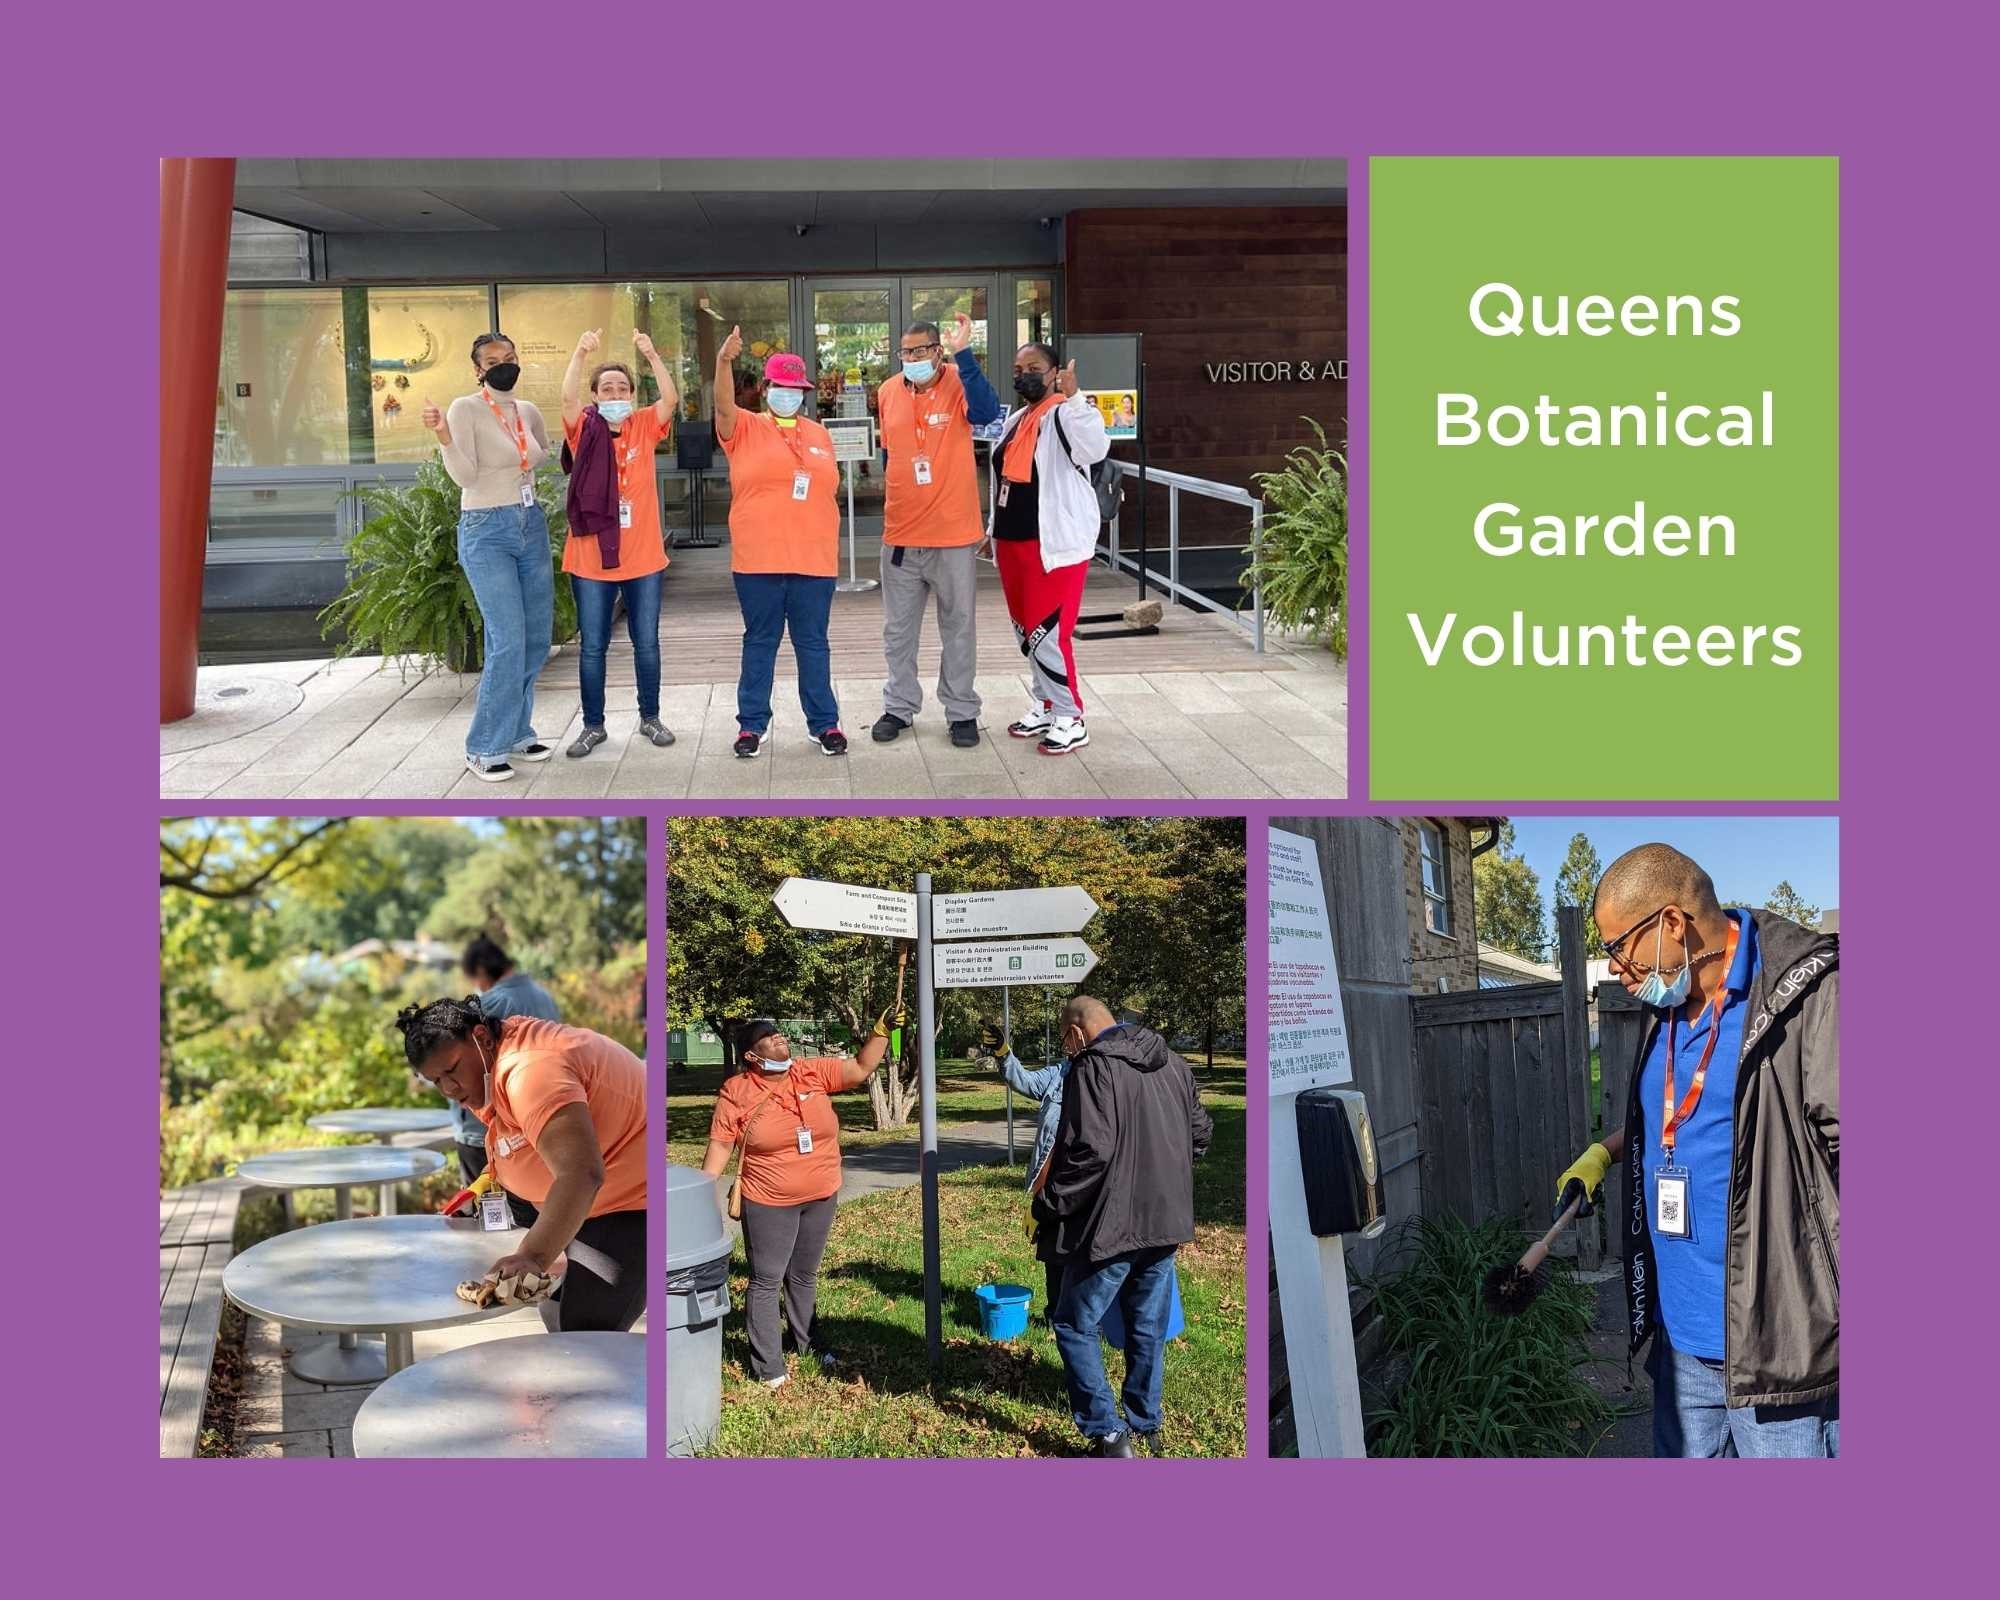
(1044, 607)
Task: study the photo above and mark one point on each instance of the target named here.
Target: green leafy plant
(1302, 564)
(406, 596)
(1479, 1384)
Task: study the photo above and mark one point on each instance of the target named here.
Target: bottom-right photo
(1554, 1136)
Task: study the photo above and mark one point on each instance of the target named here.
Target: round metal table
(390, 1275)
(382, 1123)
(576, 1395)
(343, 1169)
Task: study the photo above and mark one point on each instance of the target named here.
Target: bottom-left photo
(403, 1137)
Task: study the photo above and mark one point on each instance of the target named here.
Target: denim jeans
(1690, 1419)
(1142, 1283)
(772, 602)
(505, 553)
(596, 598)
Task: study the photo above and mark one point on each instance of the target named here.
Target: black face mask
(502, 375)
(1031, 386)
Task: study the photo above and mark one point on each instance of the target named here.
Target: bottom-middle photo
(955, 1136)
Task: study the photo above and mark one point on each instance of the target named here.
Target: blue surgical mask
(1656, 990)
(614, 410)
(919, 371)
(784, 402)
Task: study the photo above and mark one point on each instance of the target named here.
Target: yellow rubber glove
(1586, 1172)
(881, 1028)
(992, 1040)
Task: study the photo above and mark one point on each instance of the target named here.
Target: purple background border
(1900, 101)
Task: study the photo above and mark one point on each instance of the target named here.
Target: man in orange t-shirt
(932, 523)
(565, 1116)
(635, 432)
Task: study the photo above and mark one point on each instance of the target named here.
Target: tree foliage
(261, 1027)
(1507, 900)
(1576, 885)
(1787, 902)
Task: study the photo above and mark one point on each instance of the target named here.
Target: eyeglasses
(1613, 948)
(919, 349)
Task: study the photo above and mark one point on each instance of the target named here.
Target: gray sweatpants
(784, 1244)
(951, 575)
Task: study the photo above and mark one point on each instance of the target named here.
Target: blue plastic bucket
(1112, 1326)
(1003, 1309)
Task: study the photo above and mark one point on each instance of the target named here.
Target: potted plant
(1302, 564)
(407, 597)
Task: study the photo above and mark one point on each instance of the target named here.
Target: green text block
(1603, 551)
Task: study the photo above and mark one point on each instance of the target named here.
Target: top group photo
(691, 479)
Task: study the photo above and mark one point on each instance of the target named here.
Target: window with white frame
(1435, 868)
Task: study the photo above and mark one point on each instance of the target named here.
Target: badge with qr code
(1671, 1217)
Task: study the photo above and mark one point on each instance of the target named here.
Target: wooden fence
(1503, 1096)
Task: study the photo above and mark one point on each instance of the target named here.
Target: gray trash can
(697, 1301)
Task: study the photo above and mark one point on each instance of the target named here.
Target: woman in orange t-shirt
(640, 546)
(565, 1115)
(784, 543)
(778, 1107)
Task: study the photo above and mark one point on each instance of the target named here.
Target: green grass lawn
(990, 1399)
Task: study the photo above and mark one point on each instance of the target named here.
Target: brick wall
(1433, 955)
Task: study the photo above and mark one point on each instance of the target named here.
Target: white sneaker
(778, 1382)
(1036, 723)
(1065, 734)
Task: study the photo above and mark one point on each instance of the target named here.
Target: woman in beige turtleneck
(492, 444)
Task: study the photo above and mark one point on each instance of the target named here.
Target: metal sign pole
(1007, 1028)
(927, 1122)
(853, 583)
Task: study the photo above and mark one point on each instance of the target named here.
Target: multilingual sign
(996, 965)
(847, 908)
(1063, 909)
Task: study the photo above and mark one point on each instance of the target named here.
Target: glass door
(942, 299)
(853, 349)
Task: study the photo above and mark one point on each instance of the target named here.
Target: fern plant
(407, 597)
(1302, 564)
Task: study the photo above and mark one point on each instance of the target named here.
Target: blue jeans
(1142, 1283)
(505, 553)
(596, 598)
(772, 602)
(1690, 1419)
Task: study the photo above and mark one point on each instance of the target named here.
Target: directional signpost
(996, 963)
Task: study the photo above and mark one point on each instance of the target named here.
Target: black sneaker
(749, 745)
(656, 732)
(887, 726)
(965, 734)
(498, 772)
(534, 750)
(586, 741)
(831, 743)
(1114, 1445)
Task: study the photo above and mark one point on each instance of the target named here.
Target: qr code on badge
(1670, 1208)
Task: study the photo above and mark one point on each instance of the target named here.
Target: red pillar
(195, 200)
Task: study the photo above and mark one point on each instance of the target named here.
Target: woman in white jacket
(1045, 522)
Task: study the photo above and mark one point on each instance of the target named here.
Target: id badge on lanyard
(1673, 1216)
(805, 1134)
(527, 493)
(494, 1216)
(625, 457)
(801, 485)
(1673, 1189)
(921, 466)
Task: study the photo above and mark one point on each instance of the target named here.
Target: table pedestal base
(346, 1360)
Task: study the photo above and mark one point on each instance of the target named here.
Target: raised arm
(587, 345)
(982, 404)
(853, 1074)
(670, 396)
(1083, 423)
(725, 384)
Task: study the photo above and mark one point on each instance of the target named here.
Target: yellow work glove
(992, 1040)
(892, 1018)
(1585, 1173)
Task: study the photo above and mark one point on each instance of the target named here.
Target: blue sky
(1746, 856)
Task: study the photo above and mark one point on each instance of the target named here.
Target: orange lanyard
(625, 453)
(520, 429)
(917, 423)
(1676, 1116)
(792, 439)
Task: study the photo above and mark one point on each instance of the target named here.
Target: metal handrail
(1177, 484)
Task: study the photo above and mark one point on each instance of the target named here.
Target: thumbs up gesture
(433, 420)
(1066, 380)
(732, 347)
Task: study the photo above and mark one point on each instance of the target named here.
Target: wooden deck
(196, 1226)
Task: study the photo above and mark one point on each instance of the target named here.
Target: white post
(1319, 1326)
(853, 583)
(927, 1122)
(1007, 1029)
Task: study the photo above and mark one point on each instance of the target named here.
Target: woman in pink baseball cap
(784, 543)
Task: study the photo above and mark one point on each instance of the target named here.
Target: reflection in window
(1034, 311)
(1435, 868)
(333, 377)
(687, 323)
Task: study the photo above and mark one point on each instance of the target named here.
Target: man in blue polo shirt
(1733, 1263)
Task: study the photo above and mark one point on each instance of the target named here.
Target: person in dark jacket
(1117, 1203)
(504, 991)
(1731, 1144)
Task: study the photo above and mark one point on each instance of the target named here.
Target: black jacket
(1781, 1296)
(1121, 1175)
